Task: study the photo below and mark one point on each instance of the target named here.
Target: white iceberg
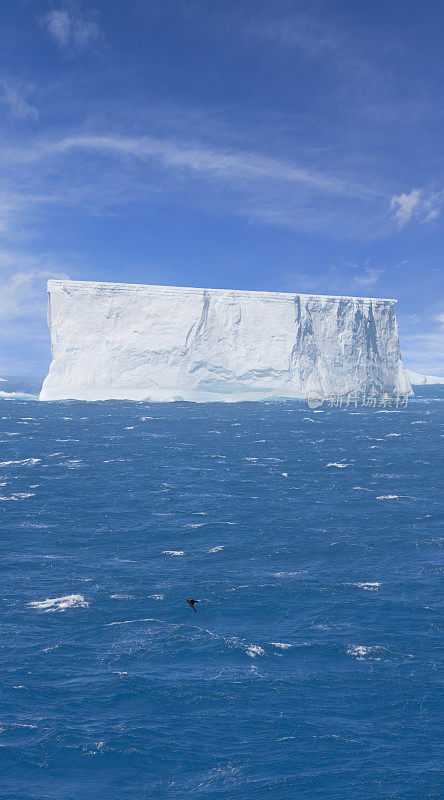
(164, 343)
(416, 379)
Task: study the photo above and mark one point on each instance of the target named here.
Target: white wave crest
(129, 621)
(216, 549)
(24, 462)
(287, 574)
(18, 396)
(19, 496)
(254, 650)
(369, 586)
(173, 552)
(60, 603)
(120, 596)
(361, 651)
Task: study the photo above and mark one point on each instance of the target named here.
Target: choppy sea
(310, 539)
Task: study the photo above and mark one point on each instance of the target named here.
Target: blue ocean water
(310, 669)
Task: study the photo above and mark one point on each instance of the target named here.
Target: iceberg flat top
(54, 284)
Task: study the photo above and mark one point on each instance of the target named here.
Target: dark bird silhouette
(191, 603)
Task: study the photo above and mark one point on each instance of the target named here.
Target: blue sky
(290, 146)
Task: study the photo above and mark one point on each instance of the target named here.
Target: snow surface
(416, 379)
(164, 343)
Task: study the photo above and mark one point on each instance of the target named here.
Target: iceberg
(166, 343)
(416, 379)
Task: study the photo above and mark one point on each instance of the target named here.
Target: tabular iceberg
(129, 341)
(416, 379)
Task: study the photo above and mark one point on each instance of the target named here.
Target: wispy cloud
(74, 31)
(433, 206)
(348, 279)
(404, 205)
(303, 190)
(23, 284)
(111, 170)
(296, 30)
(24, 339)
(416, 205)
(422, 351)
(96, 171)
(422, 342)
(20, 292)
(20, 209)
(368, 278)
(226, 165)
(13, 95)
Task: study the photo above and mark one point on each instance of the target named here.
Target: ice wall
(116, 341)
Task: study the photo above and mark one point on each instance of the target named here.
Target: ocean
(310, 540)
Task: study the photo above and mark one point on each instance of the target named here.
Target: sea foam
(60, 603)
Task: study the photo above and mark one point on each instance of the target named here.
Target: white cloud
(13, 97)
(423, 346)
(73, 31)
(335, 280)
(96, 173)
(24, 340)
(432, 206)
(422, 352)
(368, 278)
(8, 209)
(20, 209)
(404, 205)
(416, 205)
(228, 166)
(299, 30)
(23, 291)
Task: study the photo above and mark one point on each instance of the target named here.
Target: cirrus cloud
(14, 98)
(416, 205)
(72, 30)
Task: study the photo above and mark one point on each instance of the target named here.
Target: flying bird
(191, 603)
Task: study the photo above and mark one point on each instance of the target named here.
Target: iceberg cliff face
(117, 341)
